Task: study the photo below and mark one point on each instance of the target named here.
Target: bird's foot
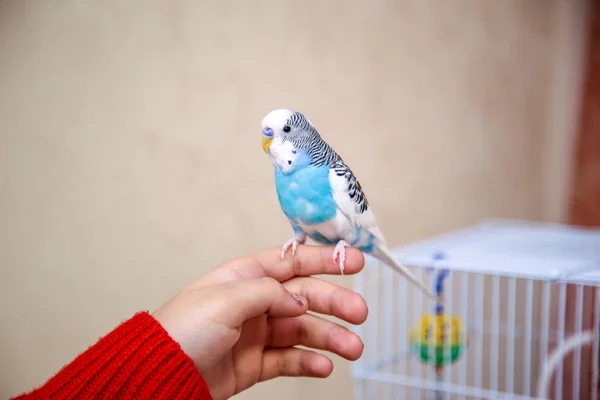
(293, 243)
(340, 250)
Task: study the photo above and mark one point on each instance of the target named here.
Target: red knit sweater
(136, 360)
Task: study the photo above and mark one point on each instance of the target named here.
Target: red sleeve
(136, 360)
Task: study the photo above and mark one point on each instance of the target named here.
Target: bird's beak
(266, 143)
(267, 139)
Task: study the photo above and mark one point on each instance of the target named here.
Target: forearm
(138, 359)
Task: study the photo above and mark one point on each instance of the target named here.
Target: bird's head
(282, 124)
(286, 137)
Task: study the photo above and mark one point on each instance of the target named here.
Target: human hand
(240, 322)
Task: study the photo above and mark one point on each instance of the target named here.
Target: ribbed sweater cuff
(138, 359)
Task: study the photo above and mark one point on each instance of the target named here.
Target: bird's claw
(340, 249)
(293, 243)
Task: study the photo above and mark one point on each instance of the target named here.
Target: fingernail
(300, 300)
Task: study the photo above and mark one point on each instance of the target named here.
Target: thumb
(247, 299)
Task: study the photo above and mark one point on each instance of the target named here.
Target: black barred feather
(354, 189)
(304, 136)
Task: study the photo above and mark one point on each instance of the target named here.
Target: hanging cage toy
(428, 338)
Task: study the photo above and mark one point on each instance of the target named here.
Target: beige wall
(129, 142)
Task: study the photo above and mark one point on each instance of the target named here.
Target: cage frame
(566, 270)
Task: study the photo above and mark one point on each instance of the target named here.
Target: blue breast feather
(306, 196)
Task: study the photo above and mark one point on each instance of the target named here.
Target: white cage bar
(526, 296)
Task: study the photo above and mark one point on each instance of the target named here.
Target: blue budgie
(319, 194)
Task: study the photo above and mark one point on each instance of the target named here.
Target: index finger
(308, 260)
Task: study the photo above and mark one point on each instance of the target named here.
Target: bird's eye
(287, 128)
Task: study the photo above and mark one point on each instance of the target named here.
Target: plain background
(130, 159)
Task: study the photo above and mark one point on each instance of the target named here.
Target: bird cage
(518, 316)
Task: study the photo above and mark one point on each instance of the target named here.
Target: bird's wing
(352, 202)
(351, 199)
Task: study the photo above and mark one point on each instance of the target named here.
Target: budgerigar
(319, 194)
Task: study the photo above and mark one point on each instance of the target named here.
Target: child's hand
(240, 322)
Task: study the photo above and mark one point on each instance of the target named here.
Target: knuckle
(282, 363)
(297, 266)
(303, 334)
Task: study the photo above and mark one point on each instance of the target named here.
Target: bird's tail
(384, 254)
